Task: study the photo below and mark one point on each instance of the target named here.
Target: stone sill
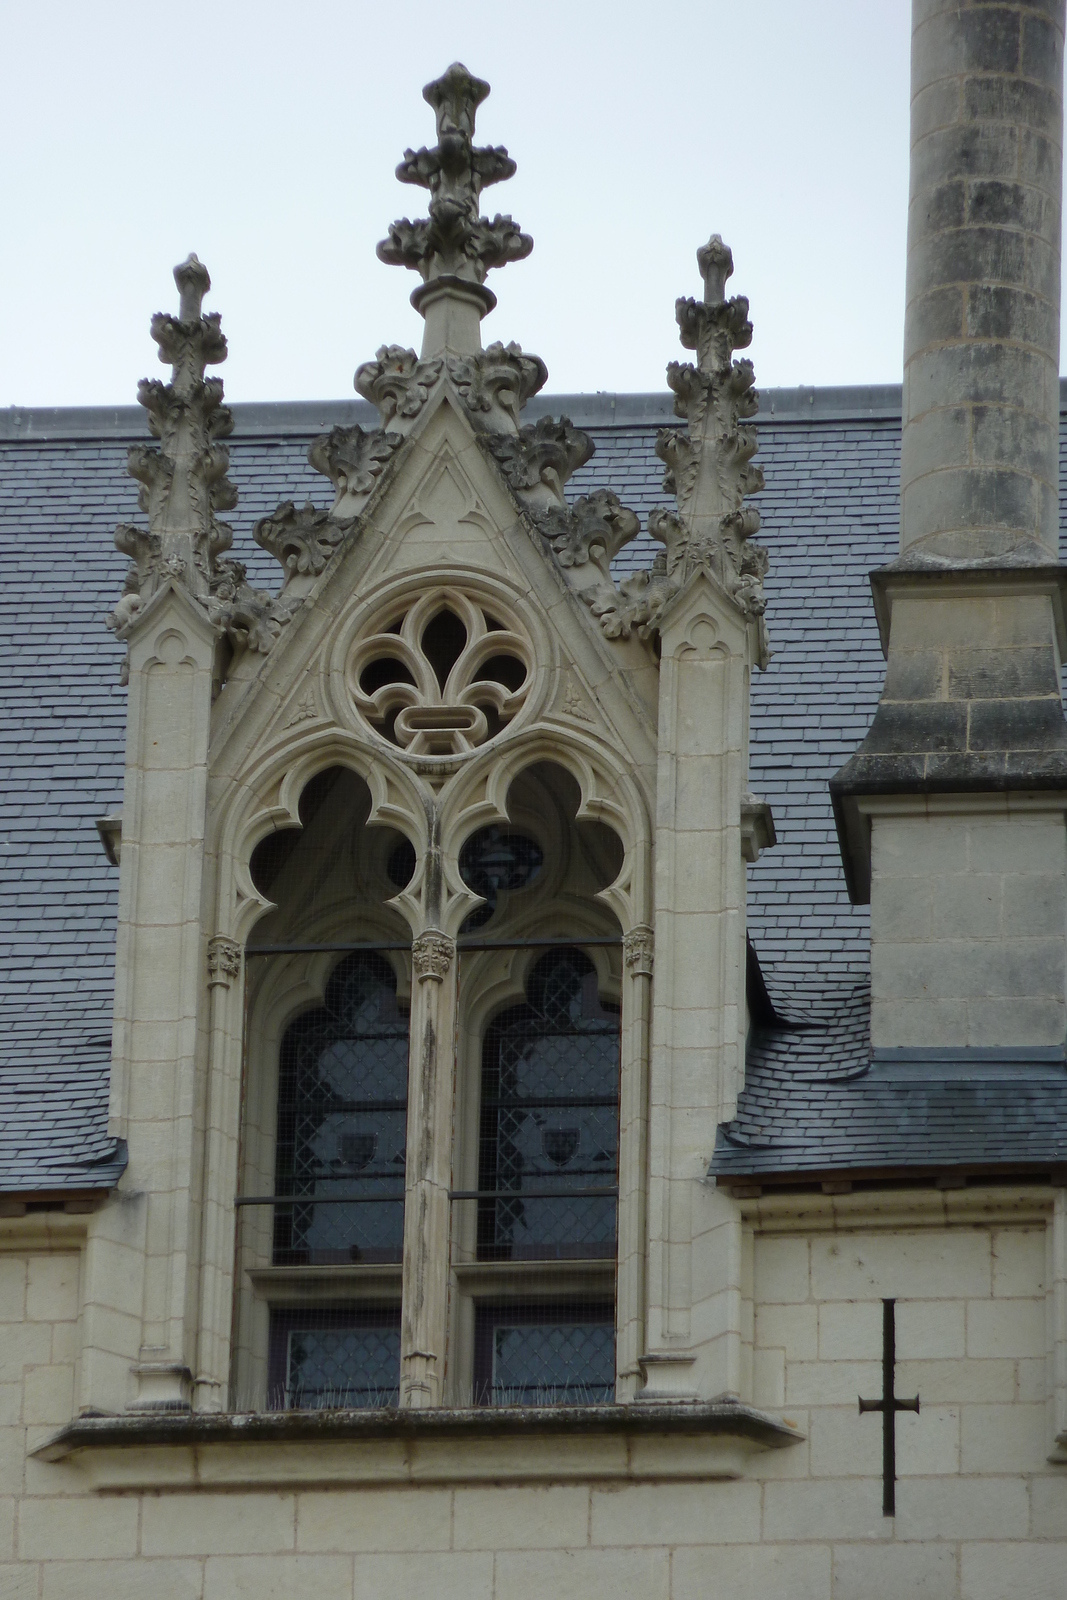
(630, 1442)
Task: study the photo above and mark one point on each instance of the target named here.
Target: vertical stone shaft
(698, 1017)
(428, 1169)
(142, 1264)
(979, 460)
(633, 1158)
(951, 813)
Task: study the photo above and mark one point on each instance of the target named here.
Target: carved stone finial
(455, 247)
(456, 96)
(709, 470)
(184, 483)
(194, 281)
(716, 263)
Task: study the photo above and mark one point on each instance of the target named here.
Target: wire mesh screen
(538, 1354)
(330, 1357)
(549, 1120)
(342, 1115)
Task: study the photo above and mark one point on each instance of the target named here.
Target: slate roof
(830, 515)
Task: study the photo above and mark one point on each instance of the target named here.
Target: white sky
(264, 137)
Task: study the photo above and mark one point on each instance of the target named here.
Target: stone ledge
(631, 1442)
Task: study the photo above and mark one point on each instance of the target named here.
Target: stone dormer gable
(450, 637)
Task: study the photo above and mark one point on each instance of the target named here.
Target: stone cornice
(629, 1442)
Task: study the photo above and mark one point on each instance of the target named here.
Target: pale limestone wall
(967, 922)
(982, 1515)
(40, 1349)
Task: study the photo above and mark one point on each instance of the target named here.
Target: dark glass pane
(334, 1357)
(376, 674)
(495, 859)
(342, 1116)
(550, 1119)
(443, 642)
(545, 1355)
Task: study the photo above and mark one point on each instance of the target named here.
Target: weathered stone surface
(984, 219)
(184, 483)
(455, 247)
(709, 472)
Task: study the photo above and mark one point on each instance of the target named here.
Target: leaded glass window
(545, 1354)
(342, 1115)
(549, 1130)
(329, 1357)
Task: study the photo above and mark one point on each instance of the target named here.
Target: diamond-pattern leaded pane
(553, 1365)
(342, 1117)
(330, 1357)
(550, 1118)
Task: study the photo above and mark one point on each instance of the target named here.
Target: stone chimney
(951, 813)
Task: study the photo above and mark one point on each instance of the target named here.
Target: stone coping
(636, 1441)
(306, 418)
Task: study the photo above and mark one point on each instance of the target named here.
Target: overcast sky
(264, 137)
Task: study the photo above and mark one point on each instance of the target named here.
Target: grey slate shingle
(830, 515)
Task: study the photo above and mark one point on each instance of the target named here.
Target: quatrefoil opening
(441, 676)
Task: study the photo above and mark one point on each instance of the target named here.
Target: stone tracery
(441, 676)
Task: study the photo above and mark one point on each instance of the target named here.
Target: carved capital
(638, 949)
(223, 961)
(432, 954)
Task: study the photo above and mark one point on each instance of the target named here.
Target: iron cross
(889, 1405)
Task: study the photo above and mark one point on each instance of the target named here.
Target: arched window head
(342, 1117)
(549, 1124)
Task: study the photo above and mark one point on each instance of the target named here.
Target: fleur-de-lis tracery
(442, 677)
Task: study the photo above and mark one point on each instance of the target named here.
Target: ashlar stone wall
(981, 1510)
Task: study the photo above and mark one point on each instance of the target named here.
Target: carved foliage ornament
(494, 385)
(455, 240)
(223, 961)
(183, 482)
(709, 471)
(638, 949)
(304, 540)
(546, 452)
(440, 677)
(432, 953)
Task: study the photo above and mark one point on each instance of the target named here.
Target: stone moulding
(629, 1442)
